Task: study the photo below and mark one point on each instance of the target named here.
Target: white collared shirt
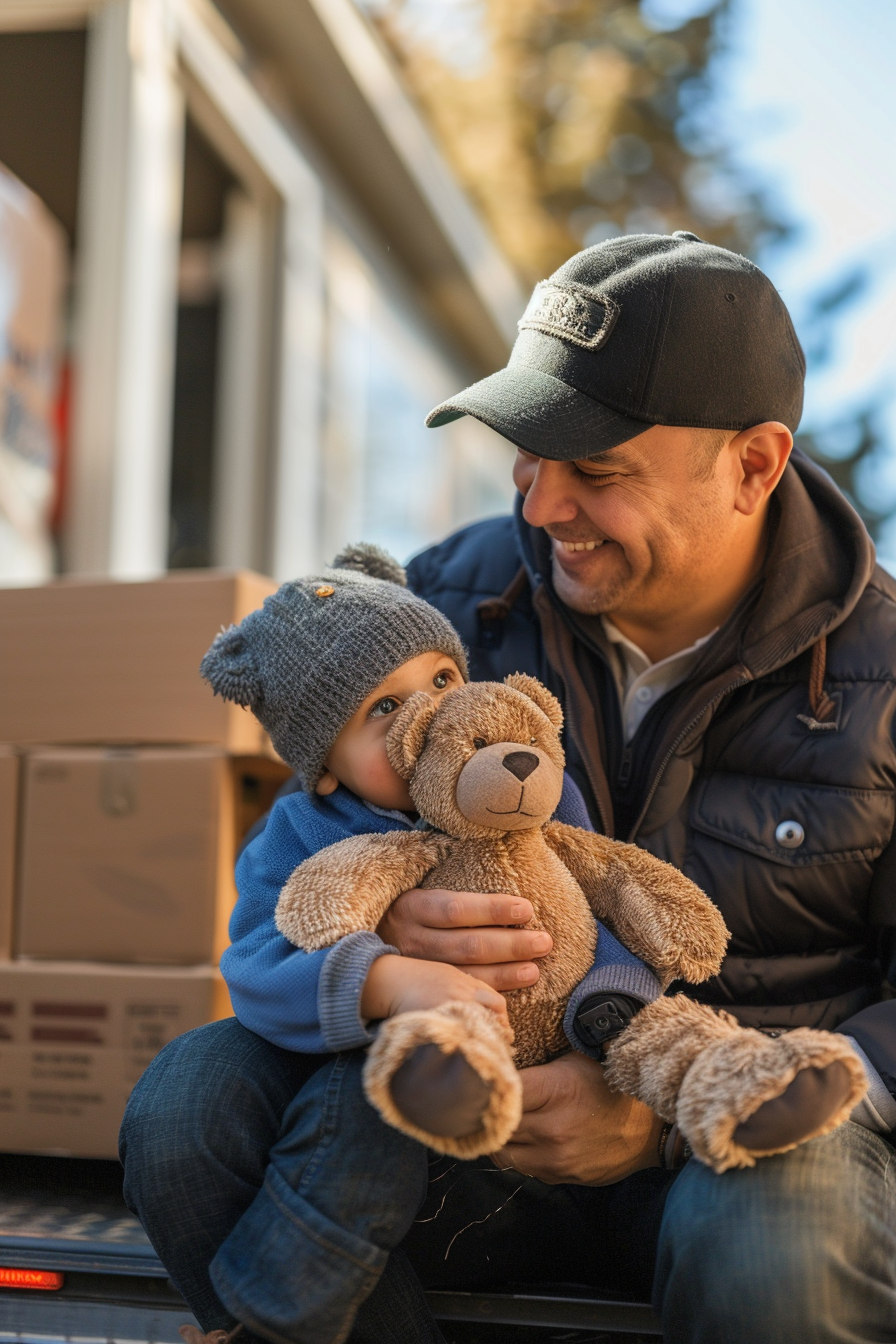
(640, 682)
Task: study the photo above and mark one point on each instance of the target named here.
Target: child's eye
(440, 680)
(479, 743)
(387, 705)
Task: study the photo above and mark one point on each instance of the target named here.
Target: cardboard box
(109, 662)
(9, 801)
(128, 856)
(74, 1039)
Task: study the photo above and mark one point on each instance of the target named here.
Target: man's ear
(406, 738)
(532, 687)
(762, 452)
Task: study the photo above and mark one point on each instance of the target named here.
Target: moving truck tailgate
(66, 1218)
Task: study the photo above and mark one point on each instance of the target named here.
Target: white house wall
(328, 362)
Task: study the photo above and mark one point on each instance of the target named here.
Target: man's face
(638, 530)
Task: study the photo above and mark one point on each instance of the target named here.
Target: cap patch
(570, 312)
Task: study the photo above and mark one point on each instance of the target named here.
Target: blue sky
(806, 93)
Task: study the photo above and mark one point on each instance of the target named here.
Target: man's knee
(797, 1247)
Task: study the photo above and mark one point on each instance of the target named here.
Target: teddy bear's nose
(520, 763)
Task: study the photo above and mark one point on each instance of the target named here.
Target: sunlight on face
(358, 757)
(633, 529)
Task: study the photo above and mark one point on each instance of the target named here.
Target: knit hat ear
(406, 738)
(365, 558)
(230, 669)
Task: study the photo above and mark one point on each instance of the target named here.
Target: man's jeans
(274, 1195)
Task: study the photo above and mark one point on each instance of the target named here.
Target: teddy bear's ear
(532, 687)
(405, 739)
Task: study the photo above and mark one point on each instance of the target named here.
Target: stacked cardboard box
(124, 793)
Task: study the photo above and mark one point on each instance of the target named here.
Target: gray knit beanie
(307, 659)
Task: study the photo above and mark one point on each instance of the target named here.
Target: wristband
(603, 1017)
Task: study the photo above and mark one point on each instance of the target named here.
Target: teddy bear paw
(753, 1095)
(805, 1106)
(439, 1093)
(446, 1077)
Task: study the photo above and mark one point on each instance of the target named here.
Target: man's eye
(479, 743)
(440, 680)
(387, 705)
(596, 478)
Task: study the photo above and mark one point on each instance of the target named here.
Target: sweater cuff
(877, 1109)
(339, 988)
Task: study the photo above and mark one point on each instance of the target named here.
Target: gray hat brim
(540, 414)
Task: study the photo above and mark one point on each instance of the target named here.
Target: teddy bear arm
(657, 912)
(349, 886)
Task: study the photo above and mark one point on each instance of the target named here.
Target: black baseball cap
(642, 330)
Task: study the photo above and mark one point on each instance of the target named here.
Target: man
(709, 612)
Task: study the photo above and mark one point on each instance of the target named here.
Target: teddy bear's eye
(479, 743)
(532, 741)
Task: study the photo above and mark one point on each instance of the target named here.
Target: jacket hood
(819, 563)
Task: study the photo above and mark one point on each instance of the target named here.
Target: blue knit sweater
(309, 1001)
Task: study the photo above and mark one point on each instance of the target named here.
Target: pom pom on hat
(365, 558)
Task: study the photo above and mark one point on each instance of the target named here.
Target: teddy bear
(485, 772)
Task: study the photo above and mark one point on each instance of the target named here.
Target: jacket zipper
(743, 680)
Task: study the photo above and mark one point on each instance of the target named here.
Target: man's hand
(576, 1131)
(469, 930)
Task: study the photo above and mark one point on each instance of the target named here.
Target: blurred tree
(854, 448)
(570, 121)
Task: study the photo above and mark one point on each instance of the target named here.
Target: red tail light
(45, 1280)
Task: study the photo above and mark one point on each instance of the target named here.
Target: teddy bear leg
(757, 1095)
(735, 1093)
(446, 1076)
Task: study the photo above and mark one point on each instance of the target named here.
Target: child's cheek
(379, 782)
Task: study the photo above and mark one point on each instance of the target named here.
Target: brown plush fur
(485, 768)
(484, 1042)
(350, 885)
(702, 1069)
(648, 905)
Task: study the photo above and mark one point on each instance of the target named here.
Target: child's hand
(401, 984)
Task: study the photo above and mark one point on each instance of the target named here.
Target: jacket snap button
(790, 834)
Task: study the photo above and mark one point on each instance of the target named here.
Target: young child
(325, 677)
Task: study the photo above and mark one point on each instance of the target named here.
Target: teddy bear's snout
(520, 763)
(505, 787)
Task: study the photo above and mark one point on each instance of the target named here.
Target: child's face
(358, 757)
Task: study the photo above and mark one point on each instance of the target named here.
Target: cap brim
(541, 414)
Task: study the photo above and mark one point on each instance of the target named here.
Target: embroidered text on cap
(571, 313)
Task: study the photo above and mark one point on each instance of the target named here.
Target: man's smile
(574, 554)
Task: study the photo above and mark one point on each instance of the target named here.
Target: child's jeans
(340, 1192)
